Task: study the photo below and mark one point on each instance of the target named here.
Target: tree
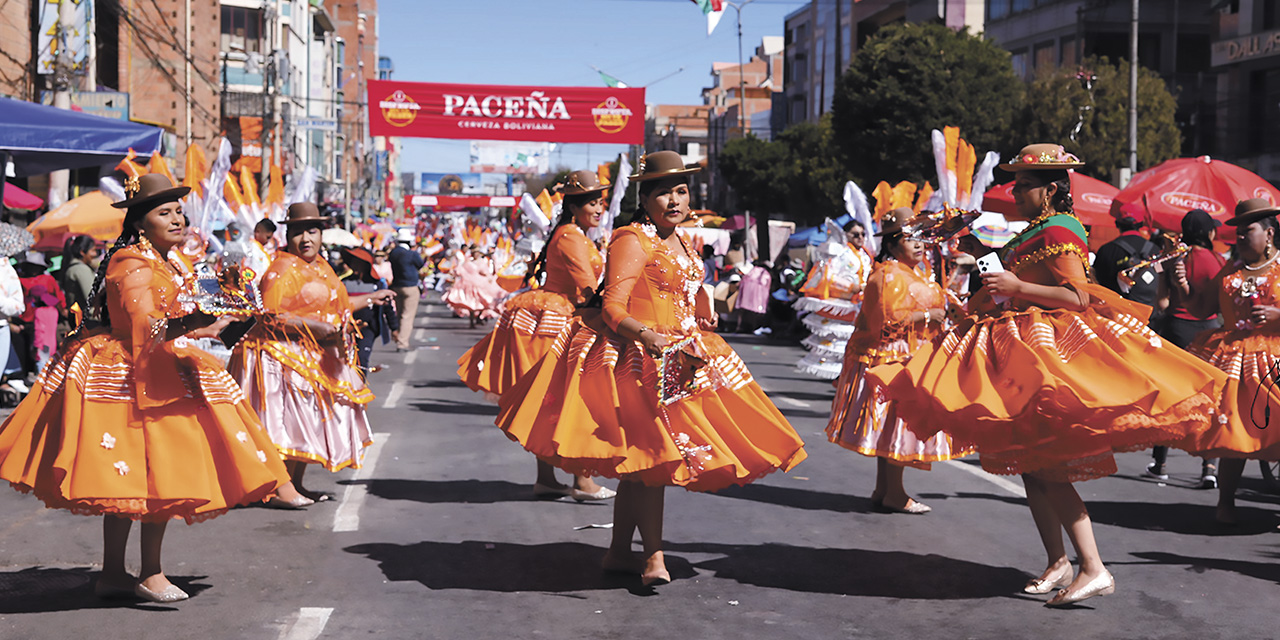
(1087, 112)
(910, 79)
(799, 174)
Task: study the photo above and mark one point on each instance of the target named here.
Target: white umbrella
(339, 237)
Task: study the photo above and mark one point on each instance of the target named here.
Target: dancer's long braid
(97, 298)
(539, 265)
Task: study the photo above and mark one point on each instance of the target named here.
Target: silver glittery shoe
(170, 593)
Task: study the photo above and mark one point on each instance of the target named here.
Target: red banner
(498, 112)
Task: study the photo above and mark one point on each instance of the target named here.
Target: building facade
(1245, 59)
(740, 102)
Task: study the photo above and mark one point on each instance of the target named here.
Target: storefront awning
(40, 139)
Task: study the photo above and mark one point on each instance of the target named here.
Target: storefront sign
(1244, 48)
(493, 112)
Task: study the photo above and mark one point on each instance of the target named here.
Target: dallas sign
(494, 112)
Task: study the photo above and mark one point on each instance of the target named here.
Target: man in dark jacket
(374, 321)
(405, 265)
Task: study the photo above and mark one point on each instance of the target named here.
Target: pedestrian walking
(405, 265)
(46, 304)
(298, 367)
(533, 320)
(903, 307)
(373, 322)
(1051, 374)
(646, 392)
(133, 421)
(79, 258)
(1246, 347)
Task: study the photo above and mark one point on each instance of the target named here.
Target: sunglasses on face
(858, 234)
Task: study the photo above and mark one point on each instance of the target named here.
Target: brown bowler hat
(305, 213)
(357, 253)
(1252, 210)
(896, 221)
(580, 182)
(150, 190)
(1043, 156)
(662, 164)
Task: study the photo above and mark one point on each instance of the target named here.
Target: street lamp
(742, 81)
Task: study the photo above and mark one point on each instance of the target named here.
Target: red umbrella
(1092, 199)
(16, 198)
(1174, 187)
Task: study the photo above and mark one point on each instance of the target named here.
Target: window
(997, 9)
(1044, 58)
(1021, 5)
(1067, 52)
(241, 29)
(1019, 60)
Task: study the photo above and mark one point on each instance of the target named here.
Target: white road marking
(393, 396)
(347, 517)
(411, 357)
(309, 625)
(1011, 487)
(793, 402)
(419, 334)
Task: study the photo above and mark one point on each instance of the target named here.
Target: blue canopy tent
(39, 139)
(814, 236)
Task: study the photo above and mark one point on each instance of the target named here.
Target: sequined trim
(1048, 252)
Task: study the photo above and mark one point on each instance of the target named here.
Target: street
(439, 536)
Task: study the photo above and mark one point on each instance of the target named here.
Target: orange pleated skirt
(590, 407)
(1247, 424)
(529, 325)
(1056, 392)
(79, 441)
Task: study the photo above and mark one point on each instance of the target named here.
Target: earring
(1270, 248)
(1045, 207)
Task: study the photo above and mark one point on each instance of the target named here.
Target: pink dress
(475, 289)
(753, 293)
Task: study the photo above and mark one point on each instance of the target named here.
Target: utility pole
(1133, 92)
(59, 180)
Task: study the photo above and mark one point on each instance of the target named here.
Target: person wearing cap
(405, 267)
(298, 367)
(599, 403)
(902, 308)
(1129, 249)
(134, 421)
(1247, 294)
(45, 305)
(1051, 374)
(533, 320)
(1189, 276)
(372, 321)
(261, 248)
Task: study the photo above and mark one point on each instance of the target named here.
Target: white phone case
(990, 263)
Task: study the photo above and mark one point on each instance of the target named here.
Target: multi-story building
(1245, 60)
(741, 97)
(357, 55)
(681, 128)
(1173, 40)
(822, 37)
(17, 69)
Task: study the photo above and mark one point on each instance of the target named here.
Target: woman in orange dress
(902, 308)
(531, 321)
(1051, 374)
(299, 366)
(133, 421)
(1247, 348)
(650, 395)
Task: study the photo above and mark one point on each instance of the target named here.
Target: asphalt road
(439, 536)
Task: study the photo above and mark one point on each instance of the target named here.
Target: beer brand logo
(399, 110)
(611, 116)
(1096, 198)
(1189, 201)
(1265, 194)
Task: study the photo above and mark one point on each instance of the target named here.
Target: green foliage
(910, 79)
(798, 174)
(1058, 102)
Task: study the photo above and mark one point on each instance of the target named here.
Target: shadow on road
(799, 498)
(42, 590)
(505, 567)
(1269, 571)
(572, 566)
(1178, 517)
(467, 408)
(858, 572)
(439, 384)
(447, 491)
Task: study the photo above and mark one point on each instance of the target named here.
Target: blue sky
(553, 42)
